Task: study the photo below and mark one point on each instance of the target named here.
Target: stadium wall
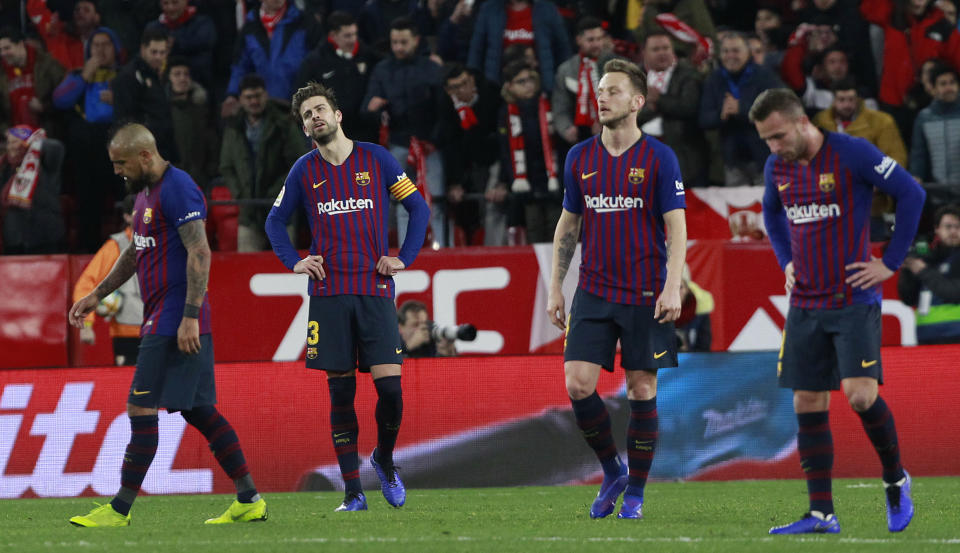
(472, 421)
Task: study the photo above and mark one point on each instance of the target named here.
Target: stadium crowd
(479, 100)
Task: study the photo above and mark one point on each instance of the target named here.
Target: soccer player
(816, 206)
(171, 259)
(345, 188)
(626, 189)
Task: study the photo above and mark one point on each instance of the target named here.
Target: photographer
(423, 338)
(930, 281)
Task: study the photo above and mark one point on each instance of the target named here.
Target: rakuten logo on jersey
(607, 204)
(143, 242)
(810, 213)
(350, 205)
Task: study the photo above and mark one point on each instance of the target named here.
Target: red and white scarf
(586, 114)
(417, 158)
(343, 53)
(19, 190)
(270, 21)
(683, 32)
(468, 118)
(517, 154)
(184, 17)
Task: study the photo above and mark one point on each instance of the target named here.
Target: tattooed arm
(124, 268)
(564, 243)
(194, 238)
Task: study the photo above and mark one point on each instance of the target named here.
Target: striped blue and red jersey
(347, 208)
(161, 257)
(622, 200)
(818, 216)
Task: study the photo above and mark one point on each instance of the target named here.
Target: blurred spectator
(935, 152)
(126, 312)
(830, 67)
(575, 90)
(771, 36)
(930, 281)
(693, 326)
(671, 111)
(27, 82)
(849, 115)
(377, 16)
(456, 29)
(949, 9)
(65, 40)
(140, 95)
(679, 18)
(30, 198)
(192, 36)
(728, 93)
(807, 46)
(413, 321)
(128, 19)
(853, 36)
(343, 63)
(502, 23)
(913, 31)
(404, 92)
(272, 43)
(260, 144)
(528, 163)
(193, 130)
(87, 100)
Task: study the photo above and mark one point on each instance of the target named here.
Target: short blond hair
(638, 79)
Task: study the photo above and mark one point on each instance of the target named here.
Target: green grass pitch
(683, 517)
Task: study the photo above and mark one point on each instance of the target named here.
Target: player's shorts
(595, 325)
(346, 332)
(821, 347)
(167, 377)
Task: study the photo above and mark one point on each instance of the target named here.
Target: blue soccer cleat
(610, 490)
(899, 504)
(811, 523)
(353, 501)
(390, 484)
(632, 507)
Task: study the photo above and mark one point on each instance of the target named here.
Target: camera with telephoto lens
(466, 332)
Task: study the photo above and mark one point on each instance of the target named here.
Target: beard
(325, 135)
(615, 120)
(134, 186)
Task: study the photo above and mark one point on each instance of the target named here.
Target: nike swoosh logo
(340, 434)
(139, 393)
(319, 184)
(399, 350)
(659, 355)
(782, 187)
(585, 176)
(866, 363)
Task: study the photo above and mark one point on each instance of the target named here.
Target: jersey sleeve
(774, 218)
(403, 190)
(670, 192)
(182, 201)
(398, 183)
(572, 196)
(289, 198)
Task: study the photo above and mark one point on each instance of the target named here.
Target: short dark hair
(638, 79)
(949, 209)
(177, 61)
(312, 89)
(252, 81)
(408, 307)
(514, 68)
(339, 19)
(846, 83)
(941, 70)
(782, 100)
(154, 34)
(404, 23)
(658, 32)
(453, 70)
(12, 34)
(735, 35)
(588, 23)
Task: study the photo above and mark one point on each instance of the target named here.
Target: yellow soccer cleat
(104, 516)
(242, 512)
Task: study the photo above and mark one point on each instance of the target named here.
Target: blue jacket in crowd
(276, 59)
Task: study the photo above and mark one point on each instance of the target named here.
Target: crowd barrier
(472, 421)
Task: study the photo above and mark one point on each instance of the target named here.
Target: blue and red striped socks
(878, 422)
(225, 446)
(140, 451)
(594, 422)
(641, 443)
(344, 429)
(389, 413)
(815, 446)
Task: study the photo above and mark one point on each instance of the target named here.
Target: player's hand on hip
(389, 266)
(188, 335)
(81, 309)
(556, 310)
(668, 306)
(791, 277)
(868, 273)
(312, 266)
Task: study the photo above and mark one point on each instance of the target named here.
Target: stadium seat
(222, 220)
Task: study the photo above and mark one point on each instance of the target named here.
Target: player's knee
(578, 389)
(642, 391)
(861, 400)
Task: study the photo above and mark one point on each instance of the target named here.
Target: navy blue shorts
(167, 377)
(347, 332)
(595, 325)
(821, 347)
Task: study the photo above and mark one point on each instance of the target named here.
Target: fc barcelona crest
(362, 178)
(827, 182)
(311, 353)
(636, 175)
(147, 215)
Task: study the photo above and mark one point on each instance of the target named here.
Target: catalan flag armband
(402, 188)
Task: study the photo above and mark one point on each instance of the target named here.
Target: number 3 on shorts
(313, 333)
